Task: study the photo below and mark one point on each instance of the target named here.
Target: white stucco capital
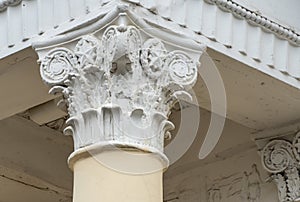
(119, 85)
(281, 158)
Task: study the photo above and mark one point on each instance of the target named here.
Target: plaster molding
(217, 28)
(6, 3)
(281, 158)
(241, 12)
(170, 36)
(119, 85)
(256, 19)
(226, 5)
(231, 35)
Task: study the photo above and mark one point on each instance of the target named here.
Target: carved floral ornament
(282, 159)
(117, 85)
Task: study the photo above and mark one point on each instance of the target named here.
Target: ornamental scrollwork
(57, 66)
(182, 69)
(120, 77)
(281, 159)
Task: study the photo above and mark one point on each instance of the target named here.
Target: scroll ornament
(120, 88)
(282, 159)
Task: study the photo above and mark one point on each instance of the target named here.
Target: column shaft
(95, 182)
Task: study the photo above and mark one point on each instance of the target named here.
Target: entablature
(224, 26)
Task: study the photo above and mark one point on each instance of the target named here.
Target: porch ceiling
(254, 99)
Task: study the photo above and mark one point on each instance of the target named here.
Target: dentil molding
(281, 157)
(119, 85)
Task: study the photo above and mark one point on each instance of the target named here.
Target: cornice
(224, 26)
(228, 6)
(232, 36)
(243, 13)
(90, 25)
(6, 3)
(108, 16)
(257, 19)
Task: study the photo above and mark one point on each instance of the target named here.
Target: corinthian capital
(119, 86)
(281, 157)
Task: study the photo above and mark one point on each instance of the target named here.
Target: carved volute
(281, 158)
(119, 86)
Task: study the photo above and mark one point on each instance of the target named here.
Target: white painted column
(119, 86)
(94, 181)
